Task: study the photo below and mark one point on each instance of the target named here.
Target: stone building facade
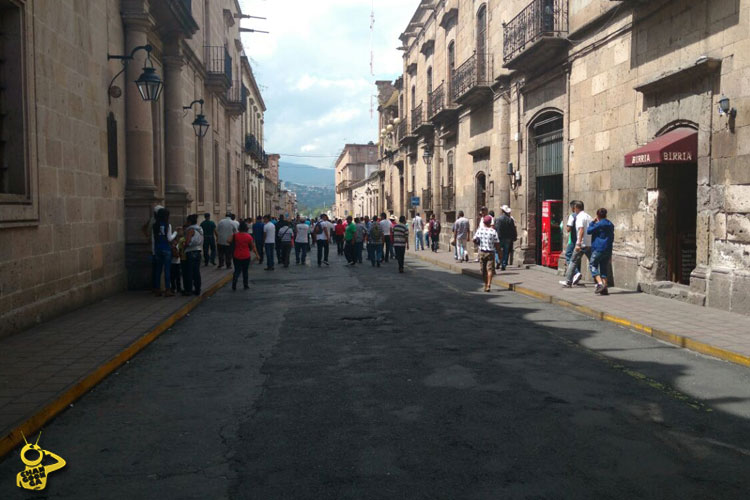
(615, 103)
(355, 164)
(86, 158)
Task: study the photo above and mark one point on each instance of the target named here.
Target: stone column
(178, 199)
(140, 192)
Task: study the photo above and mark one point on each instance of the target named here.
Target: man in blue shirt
(258, 236)
(602, 233)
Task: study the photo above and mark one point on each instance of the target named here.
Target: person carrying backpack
(434, 229)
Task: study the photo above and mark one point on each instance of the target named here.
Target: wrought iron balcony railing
(188, 5)
(476, 71)
(218, 62)
(541, 18)
(437, 100)
(254, 148)
(403, 127)
(417, 117)
(237, 96)
(448, 199)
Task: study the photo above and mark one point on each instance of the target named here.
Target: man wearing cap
(225, 230)
(488, 242)
(506, 232)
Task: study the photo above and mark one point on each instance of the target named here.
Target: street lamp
(149, 84)
(200, 124)
(427, 156)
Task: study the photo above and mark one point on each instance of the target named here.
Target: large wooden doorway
(676, 221)
(546, 161)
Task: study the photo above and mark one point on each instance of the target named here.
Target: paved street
(340, 383)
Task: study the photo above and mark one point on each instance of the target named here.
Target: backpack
(317, 230)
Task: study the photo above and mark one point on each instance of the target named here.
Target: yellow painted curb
(34, 423)
(672, 338)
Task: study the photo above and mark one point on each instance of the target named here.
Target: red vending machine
(552, 235)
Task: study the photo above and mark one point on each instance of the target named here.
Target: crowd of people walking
(178, 254)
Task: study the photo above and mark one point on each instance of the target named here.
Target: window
(429, 80)
(14, 174)
(112, 144)
(217, 192)
(201, 172)
(229, 180)
(451, 58)
(413, 96)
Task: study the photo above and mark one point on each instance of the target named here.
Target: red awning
(677, 146)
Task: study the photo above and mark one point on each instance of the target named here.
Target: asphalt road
(338, 383)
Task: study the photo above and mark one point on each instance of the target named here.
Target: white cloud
(314, 69)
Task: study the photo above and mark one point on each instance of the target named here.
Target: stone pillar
(178, 199)
(141, 192)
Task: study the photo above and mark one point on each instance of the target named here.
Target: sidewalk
(713, 332)
(46, 368)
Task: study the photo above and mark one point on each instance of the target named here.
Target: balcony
(448, 199)
(405, 134)
(255, 150)
(420, 125)
(218, 69)
(441, 108)
(343, 186)
(471, 82)
(536, 35)
(237, 99)
(426, 199)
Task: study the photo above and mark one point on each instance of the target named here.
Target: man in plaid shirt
(488, 242)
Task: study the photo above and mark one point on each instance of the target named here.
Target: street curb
(663, 335)
(34, 423)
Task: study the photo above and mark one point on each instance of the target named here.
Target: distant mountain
(306, 175)
(312, 200)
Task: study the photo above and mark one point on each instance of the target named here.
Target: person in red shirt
(339, 230)
(243, 246)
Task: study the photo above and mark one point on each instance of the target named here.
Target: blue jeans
(358, 251)
(599, 263)
(505, 245)
(569, 253)
(270, 251)
(192, 282)
(322, 251)
(575, 262)
(163, 260)
(375, 250)
(418, 240)
(209, 249)
(302, 248)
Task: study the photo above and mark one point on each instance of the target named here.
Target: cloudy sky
(314, 69)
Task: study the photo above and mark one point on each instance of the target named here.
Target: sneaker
(604, 291)
(565, 284)
(577, 278)
(598, 289)
(325, 262)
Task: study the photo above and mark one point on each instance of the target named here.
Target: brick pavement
(42, 364)
(710, 331)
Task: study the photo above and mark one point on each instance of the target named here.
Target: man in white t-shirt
(322, 231)
(417, 226)
(387, 228)
(269, 236)
(301, 245)
(583, 246)
(225, 229)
